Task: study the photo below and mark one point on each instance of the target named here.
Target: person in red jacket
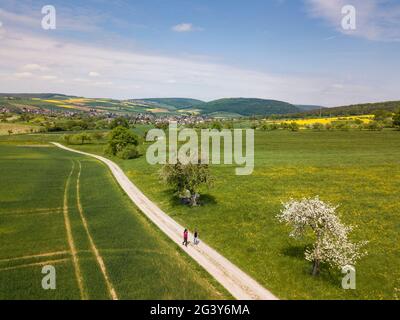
(185, 237)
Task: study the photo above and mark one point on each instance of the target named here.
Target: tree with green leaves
(228, 125)
(216, 125)
(293, 126)
(380, 115)
(162, 125)
(396, 120)
(79, 138)
(254, 125)
(84, 137)
(185, 179)
(120, 138)
(119, 122)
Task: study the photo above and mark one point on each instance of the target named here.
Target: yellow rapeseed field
(304, 122)
(55, 101)
(68, 106)
(77, 100)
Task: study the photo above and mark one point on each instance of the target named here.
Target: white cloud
(377, 20)
(133, 74)
(186, 27)
(34, 67)
(23, 75)
(94, 74)
(49, 77)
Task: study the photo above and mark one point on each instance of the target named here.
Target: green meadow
(38, 185)
(7, 128)
(358, 170)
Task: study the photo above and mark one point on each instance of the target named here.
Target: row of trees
(84, 137)
(53, 123)
(317, 126)
(396, 120)
(213, 125)
(120, 141)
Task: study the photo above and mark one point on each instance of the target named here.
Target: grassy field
(41, 189)
(358, 170)
(16, 128)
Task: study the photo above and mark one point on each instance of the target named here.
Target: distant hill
(247, 107)
(36, 96)
(178, 103)
(306, 107)
(225, 108)
(356, 109)
(60, 102)
(231, 107)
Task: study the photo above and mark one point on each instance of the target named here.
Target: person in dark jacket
(185, 237)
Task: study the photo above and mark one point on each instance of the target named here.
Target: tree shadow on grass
(294, 251)
(172, 198)
(207, 199)
(176, 201)
(327, 274)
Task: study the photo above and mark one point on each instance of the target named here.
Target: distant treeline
(352, 110)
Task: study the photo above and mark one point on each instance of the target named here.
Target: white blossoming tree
(331, 245)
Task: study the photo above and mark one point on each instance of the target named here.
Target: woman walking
(185, 237)
(195, 237)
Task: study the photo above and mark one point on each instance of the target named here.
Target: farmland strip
(93, 247)
(71, 243)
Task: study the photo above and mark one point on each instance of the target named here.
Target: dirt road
(238, 283)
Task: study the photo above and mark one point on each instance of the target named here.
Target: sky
(290, 50)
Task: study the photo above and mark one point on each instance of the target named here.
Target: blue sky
(289, 50)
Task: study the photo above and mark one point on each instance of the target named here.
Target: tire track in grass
(78, 273)
(44, 263)
(32, 211)
(93, 247)
(40, 255)
(22, 215)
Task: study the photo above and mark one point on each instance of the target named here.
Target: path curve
(239, 284)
